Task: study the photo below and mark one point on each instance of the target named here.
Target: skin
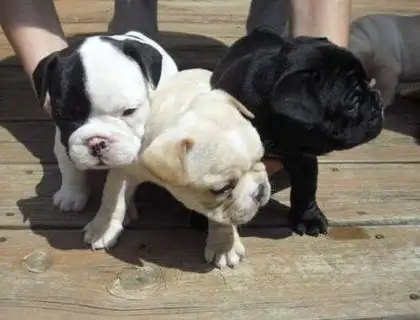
(322, 18)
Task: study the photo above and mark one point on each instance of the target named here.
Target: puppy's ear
(312, 40)
(300, 106)
(241, 108)
(234, 102)
(42, 78)
(148, 58)
(166, 157)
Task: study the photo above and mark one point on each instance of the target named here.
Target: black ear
(42, 76)
(312, 40)
(148, 58)
(297, 105)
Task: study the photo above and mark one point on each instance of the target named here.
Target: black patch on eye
(70, 104)
(129, 112)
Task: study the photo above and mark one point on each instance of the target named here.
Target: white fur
(388, 47)
(206, 117)
(114, 82)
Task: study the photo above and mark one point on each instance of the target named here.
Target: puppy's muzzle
(97, 145)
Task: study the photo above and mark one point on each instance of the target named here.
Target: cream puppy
(198, 146)
(389, 48)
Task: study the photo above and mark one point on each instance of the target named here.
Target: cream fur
(195, 141)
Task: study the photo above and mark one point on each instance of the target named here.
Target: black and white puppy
(98, 95)
(309, 97)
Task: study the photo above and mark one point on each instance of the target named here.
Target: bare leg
(33, 30)
(322, 18)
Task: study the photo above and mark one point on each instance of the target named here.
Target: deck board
(368, 268)
(350, 274)
(350, 194)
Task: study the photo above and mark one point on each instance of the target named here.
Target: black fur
(309, 97)
(61, 74)
(148, 58)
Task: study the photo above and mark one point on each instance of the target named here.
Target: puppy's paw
(312, 222)
(222, 256)
(71, 198)
(102, 233)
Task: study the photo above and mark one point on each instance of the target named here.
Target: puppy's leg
(74, 191)
(305, 215)
(223, 246)
(103, 231)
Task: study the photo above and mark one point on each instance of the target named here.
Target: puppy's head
(210, 160)
(97, 92)
(314, 95)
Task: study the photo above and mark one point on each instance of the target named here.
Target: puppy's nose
(260, 193)
(96, 145)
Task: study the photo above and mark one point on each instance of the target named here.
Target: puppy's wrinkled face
(98, 93)
(327, 103)
(210, 160)
(308, 95)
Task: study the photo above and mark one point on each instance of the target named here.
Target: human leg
(322, 18)
(135, 15)
(33, 30)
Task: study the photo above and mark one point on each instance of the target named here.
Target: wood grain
(348, 193)
(354, 273)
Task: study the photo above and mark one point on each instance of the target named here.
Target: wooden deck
(367, 268)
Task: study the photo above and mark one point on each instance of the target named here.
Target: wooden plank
(160, 275)
(350, 194)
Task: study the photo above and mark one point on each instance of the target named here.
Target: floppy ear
(241, 108)
(42, 77)
(302, 105)
(165, 158)
(312, 40)
(235, 103)
(148, 58)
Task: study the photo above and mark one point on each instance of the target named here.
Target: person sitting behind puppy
(199, 147)
(309, 97)
(388, 47)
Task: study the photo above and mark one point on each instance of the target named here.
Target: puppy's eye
(224, 189)
(128, 112)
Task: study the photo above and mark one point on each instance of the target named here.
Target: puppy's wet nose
(260, 193)
(96, 145)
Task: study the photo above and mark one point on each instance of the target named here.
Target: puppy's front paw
(222, 255)
(71, 199)
(311, 222)
(102, 233)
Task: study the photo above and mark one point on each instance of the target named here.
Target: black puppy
(309, 97)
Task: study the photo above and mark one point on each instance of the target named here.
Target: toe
(233, 259)
(220, 261)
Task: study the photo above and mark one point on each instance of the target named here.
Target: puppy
(98, 95)
(309, 97)
(199, 147)
(388, 47)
